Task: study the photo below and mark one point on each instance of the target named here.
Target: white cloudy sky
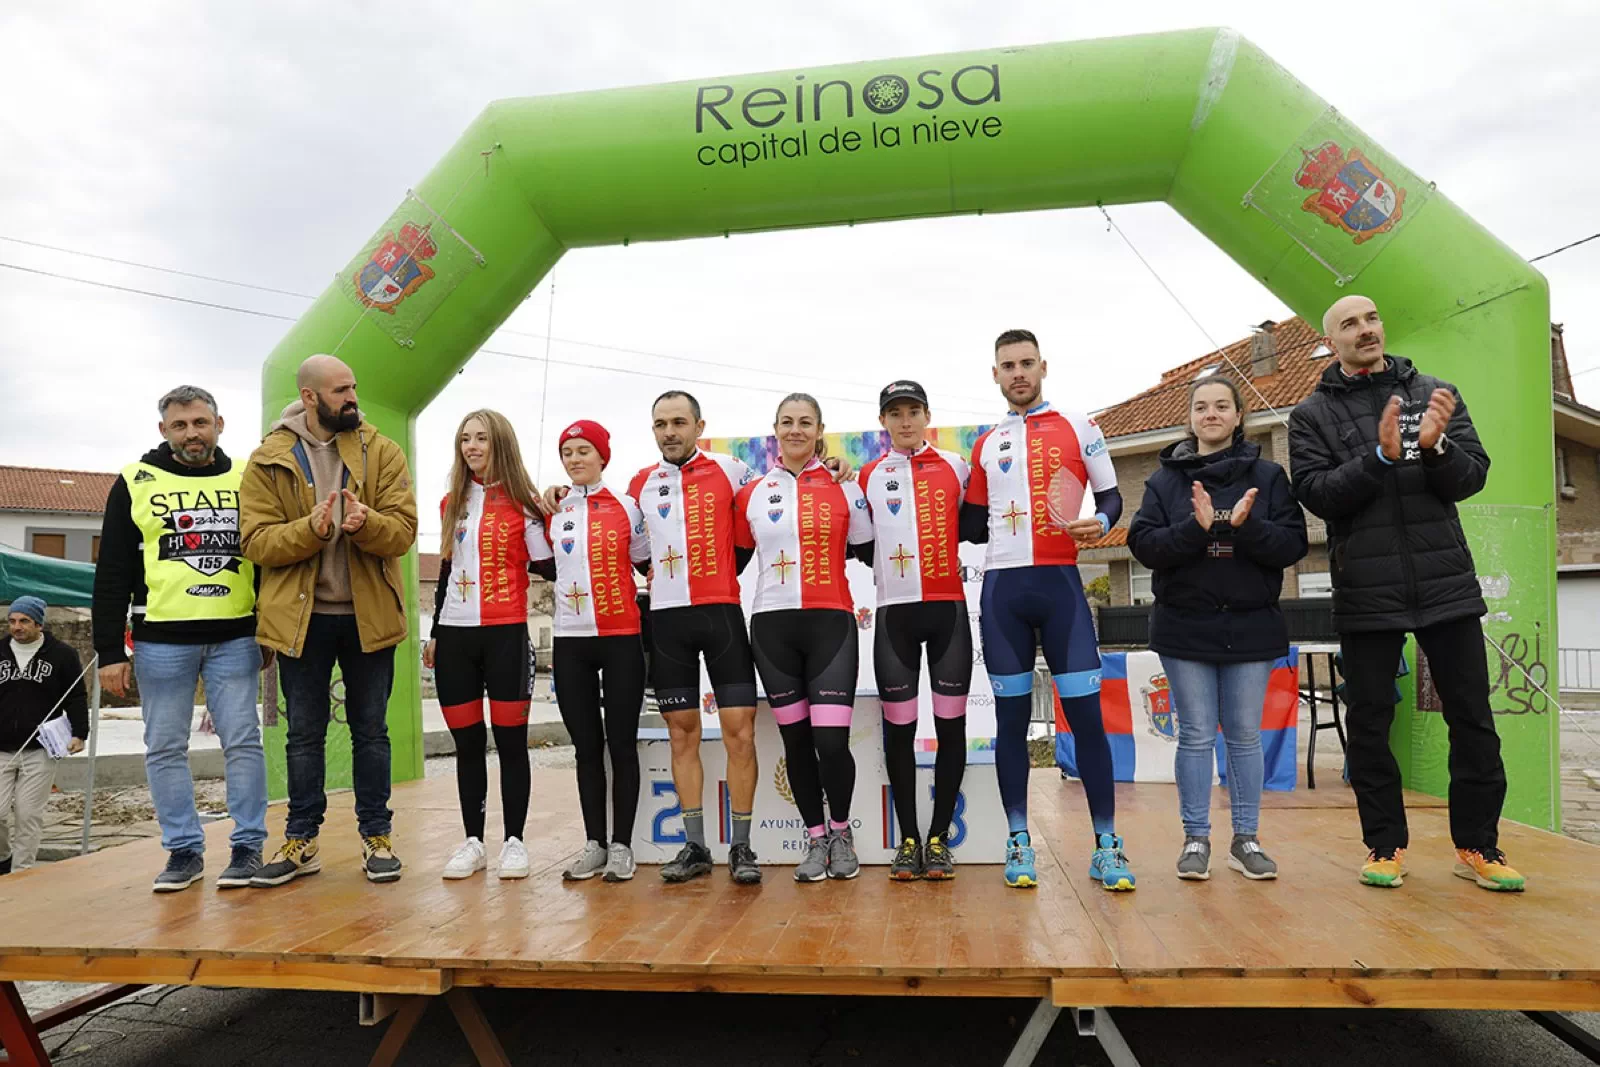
(264, 143)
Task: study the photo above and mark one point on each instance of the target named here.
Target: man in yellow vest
(328, 510)
(169, 545)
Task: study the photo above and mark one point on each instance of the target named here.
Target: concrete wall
(18, 527)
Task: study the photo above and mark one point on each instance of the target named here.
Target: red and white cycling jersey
(1029, 467)
(799, 528)
(492, 544)
(689, 513)
(597, 536)
(915, 504)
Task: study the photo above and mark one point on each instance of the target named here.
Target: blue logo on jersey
(639, 529)
(775, 514)
(566, 545)
(663, 509)
(1005, 465)
(894, 505)
(861, 502)
(1095, 448)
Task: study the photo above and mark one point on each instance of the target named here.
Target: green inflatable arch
(1201, 119)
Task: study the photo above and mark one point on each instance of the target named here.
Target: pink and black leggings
(807, 660)
(902, 630)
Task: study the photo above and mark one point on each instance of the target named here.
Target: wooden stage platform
(1313, 938)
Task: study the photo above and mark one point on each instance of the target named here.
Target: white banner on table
(778, 835)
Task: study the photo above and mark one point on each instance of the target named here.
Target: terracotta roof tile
(1117, 537)
(1165, 405)
(40, 489)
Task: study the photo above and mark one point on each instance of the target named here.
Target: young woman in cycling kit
(801, 525)
(1218, 525)
(598, 538)
(491, 530)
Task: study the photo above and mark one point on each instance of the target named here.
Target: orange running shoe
(1385, 867)
(1488, 867)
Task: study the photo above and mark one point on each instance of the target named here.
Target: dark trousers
(367, 677)
(1455, 652)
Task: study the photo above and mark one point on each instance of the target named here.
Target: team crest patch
(567, 543)
(1350, 192)
(395, 269)
(663, 510)
(1005, 464)
(1158, 708)
(775, 514)
(894, 505)
(207, 539)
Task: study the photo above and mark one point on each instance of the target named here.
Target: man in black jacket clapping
(1383, 453)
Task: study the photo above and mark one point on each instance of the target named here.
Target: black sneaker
(380, 862)
(938, 864)
(907, 863)
(184, 868)
(742, 865)
(242, 867)
(298, 856)
(5, 865)
(691, 861)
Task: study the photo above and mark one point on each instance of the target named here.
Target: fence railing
(1580, 669)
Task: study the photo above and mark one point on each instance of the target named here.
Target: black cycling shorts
(679, 637)
(470, 661)
(902, 630)
(807, 658)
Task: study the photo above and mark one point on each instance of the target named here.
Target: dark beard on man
(348, 418)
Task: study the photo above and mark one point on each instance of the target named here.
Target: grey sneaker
(814, 868)
(242, 867)
(184, 868)
(842, 861)
(297, 856)
(1194, 863)
(1246, 857)
(619, 863)
(590, 862)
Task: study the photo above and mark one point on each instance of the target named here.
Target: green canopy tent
(59, 582)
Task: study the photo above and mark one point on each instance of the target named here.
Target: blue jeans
(1204, 694)
(232, 671)
(306, 679)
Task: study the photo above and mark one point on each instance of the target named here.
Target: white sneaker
(513, 859)
(619, 864)
(590, 862)
(468, 860)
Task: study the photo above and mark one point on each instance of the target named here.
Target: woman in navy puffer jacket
(1218, 525)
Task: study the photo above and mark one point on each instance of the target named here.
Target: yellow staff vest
(193, 568)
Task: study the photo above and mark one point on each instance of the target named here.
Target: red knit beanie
(592, 432)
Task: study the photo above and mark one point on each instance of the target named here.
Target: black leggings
(807, 659)
(469, 661)
(580, 665)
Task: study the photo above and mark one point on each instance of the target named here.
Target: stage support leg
(399, 1032)
(1031, 1040)
(408, 1012)
(1568, 1031)
(17, 1032)
(1097, 1023)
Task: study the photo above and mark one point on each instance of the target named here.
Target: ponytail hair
(806, 398)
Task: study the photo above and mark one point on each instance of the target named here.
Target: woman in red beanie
(597, 537)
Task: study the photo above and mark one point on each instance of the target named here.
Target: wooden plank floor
(1315, 934)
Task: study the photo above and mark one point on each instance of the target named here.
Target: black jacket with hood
(1399, 558)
